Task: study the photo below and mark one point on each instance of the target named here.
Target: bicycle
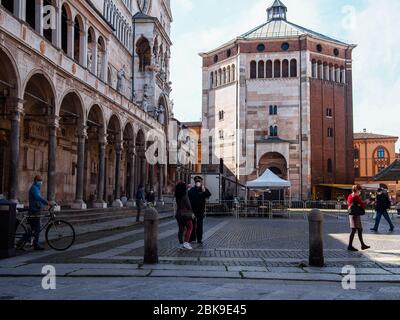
(60, 234)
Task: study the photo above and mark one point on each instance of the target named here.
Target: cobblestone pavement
(234, 250)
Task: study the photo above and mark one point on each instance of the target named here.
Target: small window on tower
(216, 58)
(229, 53)
(330, 132)
(329, 112)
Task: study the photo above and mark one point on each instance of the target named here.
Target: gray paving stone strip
(195, 274)
(116, 252)
(20, 260)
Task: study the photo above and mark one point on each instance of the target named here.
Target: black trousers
(199, 227)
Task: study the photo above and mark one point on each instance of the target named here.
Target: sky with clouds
(201, 25)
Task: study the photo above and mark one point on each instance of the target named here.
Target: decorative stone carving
(121, 78)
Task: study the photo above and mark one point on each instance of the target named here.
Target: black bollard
(151, 236)
(316, 220)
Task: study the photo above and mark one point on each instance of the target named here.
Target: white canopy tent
(268, 181)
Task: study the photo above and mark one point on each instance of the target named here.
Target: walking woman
(356, 210)
(184, 216)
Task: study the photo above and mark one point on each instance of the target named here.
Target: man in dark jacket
(36, 204)
(198, 196)
(382, 206)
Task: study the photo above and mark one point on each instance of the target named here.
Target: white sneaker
(187, 246)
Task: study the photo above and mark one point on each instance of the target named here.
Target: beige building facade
(81, 85)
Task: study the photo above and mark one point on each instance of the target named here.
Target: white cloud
(377, 68)
(185, 5)
(186, 64)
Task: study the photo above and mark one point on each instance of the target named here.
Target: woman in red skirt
(355, 221)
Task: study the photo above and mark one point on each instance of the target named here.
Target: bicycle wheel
(60, 235)
(20, 235)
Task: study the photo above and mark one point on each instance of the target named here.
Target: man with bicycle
(36, 204)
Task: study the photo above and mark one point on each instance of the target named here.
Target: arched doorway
(71, 138)
(277, 163)
(39, 143)
(94, 158)
(9, 126)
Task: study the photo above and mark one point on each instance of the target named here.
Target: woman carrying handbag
(356, 210)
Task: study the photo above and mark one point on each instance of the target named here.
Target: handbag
(356, 210)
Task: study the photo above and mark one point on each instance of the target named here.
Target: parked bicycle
(59, 235)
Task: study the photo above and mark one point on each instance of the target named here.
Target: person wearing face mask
(36, 204)
(382, 205)
(198, 196)
(355, 219)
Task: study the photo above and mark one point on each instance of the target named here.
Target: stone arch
(43, 86)
(66, 37)
(274, 161)
(115, 128)
(143, 51)
(9, 74)
(101, 57)
(78, 38)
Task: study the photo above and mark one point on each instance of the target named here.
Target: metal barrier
(257, 208)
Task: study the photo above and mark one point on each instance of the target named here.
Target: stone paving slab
(110, 273)
(247, 268)
(285, 270)
(184, 267)
(195, 274)
(291, 276)
(359, 271)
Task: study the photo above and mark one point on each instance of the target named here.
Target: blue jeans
(35, 226)
(379, 217)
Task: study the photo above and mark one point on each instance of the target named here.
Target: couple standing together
(190, 207)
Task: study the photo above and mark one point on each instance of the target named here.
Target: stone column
(52, 158)
(132, 203)
(56, 32)
(151, 177)
(20, 9)
(104, 72)
(80, 172)
(39, 16)
(160, 182)
(84, 48)
(100, 184)
(70, 39)
(15, 109)
(117, 192)
(94, 57)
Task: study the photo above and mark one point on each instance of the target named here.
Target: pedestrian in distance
(139, 202)
(184, 216)
(198, 196)
(36, 205)
(356, 211)
(398, 208)
(382, 205)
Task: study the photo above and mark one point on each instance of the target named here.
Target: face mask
(198, 184)
(39, 183)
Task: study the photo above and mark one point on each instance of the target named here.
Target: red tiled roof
(367, 135)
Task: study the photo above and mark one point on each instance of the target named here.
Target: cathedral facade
(291, 88)
(81, 85)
